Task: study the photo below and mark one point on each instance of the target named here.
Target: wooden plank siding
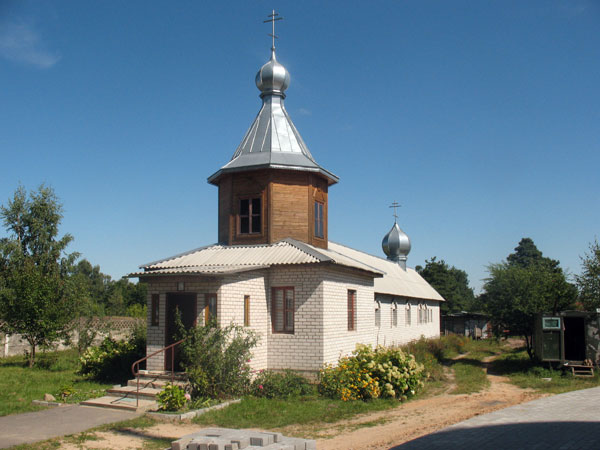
(287, 200)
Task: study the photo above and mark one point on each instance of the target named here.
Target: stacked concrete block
(230, 439)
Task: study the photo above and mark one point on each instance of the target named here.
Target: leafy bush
(112, 359)
(216, 359)
(385, 372)
(172, 398)
(271, 384)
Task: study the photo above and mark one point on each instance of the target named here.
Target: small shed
(474, 325)
(568, 337)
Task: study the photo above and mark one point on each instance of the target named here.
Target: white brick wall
(231, 298)
(302, 350)
(338, 340)
(162, 286)
(387, 334)
(320, 319)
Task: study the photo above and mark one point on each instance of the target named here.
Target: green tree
(588, 282)
(37, 298)
(526, 284)
(116, 298)
(451, 283)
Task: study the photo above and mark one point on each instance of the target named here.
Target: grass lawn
(530, 374)
(53, 373)
(276, 413)
(469, 376)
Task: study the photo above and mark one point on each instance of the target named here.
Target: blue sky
(480, 118)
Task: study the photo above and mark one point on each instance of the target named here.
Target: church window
(394, 314)
(282, 309)
(377, 314)
(407, 315)
(319, 231)
(210, 308)
(250, 216)
(423, 314)
(246, 310)
(351, 310)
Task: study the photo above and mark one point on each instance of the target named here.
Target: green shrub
(386, 372)
(216, 360)
(112, 359)
(172, 398)
(271, 384)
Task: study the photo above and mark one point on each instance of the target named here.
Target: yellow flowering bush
(385, 372)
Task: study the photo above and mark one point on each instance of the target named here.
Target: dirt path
(420, 417)
(374, 431)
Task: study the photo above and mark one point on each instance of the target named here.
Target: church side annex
(274, 269)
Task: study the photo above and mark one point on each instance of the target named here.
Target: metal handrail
(136, 374)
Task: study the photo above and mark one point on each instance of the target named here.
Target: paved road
(60, 421)
(564, 421)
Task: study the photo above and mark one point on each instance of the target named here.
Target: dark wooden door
(185, 303)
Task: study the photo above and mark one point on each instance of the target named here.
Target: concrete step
(131, 391)
(125, 403)
(162, 375)
(155, 383)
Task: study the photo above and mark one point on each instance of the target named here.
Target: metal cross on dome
(395, 205)
(272, 18)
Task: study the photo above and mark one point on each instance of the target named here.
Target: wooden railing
(135, 367)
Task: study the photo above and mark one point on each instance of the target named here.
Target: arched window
(394, 314)
(407, 318)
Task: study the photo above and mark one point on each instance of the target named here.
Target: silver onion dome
(396, 245)
(272, 78)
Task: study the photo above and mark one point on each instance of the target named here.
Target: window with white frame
(407, 314)
(377, 314)
(394, 314)
(423, 316)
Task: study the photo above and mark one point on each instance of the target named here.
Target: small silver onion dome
(396, 245)
(272, 78)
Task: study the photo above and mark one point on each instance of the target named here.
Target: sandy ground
(374, 431)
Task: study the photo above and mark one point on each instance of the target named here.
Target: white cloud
(22, 43)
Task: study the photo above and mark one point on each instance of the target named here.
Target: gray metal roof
(214, 260)
(396, 281)
(272, 141)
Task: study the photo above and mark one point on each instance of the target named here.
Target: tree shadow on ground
(546, 435)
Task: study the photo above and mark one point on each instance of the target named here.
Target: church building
(274, 269)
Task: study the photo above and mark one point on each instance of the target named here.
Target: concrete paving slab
(563, 421)
(37, 426)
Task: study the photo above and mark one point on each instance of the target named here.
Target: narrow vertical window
(250, 216)
(282, 309)
(210, 308)
(154, 309)
(407, 315)
(377, 314)
(351, 310)
(394, 314)
(319, 231)
(246, 310)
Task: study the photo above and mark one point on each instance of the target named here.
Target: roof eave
(215, 177)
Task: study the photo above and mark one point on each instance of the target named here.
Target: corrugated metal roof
(216, 258)
(396, 281)
(389, 277)
(199, 270)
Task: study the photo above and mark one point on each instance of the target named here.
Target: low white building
(274, 270)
